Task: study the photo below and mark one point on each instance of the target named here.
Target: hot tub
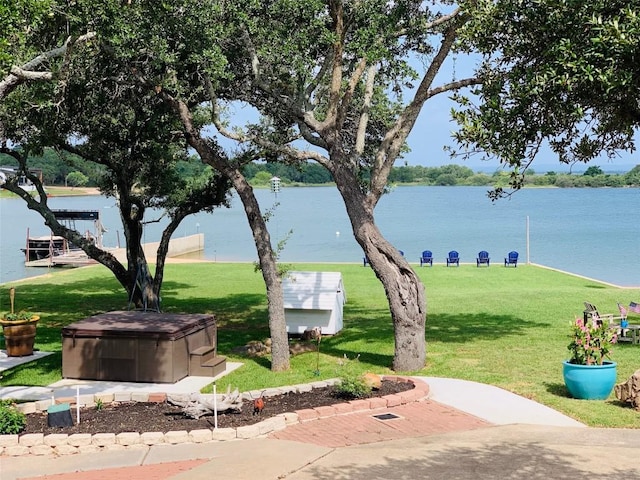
(133, 346)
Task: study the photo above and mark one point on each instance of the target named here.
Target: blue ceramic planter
(589, 382)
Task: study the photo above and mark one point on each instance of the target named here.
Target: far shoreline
(71, 191)
(60, 191)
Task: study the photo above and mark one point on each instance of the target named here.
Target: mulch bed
(164, 417)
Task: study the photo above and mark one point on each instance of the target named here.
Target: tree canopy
(562, 74)
(78, 102)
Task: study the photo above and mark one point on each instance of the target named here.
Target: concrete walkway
(502, 452)
(494, 404)
(432, 439)
(7, 362)
(505, 452)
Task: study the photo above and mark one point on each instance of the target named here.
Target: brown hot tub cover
(135, 346)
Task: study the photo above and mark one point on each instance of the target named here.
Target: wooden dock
(72, 259)
(178, 246)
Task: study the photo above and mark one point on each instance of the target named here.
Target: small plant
(591, 341)
(18, 316)
(99, 404)
(353, 386)
(12, 421)
(352, 383)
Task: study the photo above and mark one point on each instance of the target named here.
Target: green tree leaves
(562, 73)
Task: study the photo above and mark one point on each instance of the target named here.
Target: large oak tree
(335, 82)
(75, 100)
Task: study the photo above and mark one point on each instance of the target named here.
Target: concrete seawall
(177, 246)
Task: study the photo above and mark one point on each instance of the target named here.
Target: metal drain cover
(386, 416)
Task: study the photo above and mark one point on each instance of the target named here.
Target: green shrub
(353, 386)
(12, 420)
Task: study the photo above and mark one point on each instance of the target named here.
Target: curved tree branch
(27, 72)
(397, 135)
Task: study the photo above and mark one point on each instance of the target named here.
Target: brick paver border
(64, 444)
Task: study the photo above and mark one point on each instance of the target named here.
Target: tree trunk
(268, 265)
(404, 290)
(269, 269)
(141, 283)
(161, 256)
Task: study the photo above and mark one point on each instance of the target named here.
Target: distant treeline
(593, 176)
(58, 171)
(447, 175)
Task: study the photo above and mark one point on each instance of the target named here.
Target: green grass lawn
(507, 327)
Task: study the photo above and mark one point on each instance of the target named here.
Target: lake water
(591, 232)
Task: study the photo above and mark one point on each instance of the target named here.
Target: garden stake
(317, 372)
(215, 407)
(78, 404)
(12, 296)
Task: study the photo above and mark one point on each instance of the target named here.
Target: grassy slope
(506, 327)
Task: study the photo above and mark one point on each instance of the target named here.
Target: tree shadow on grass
(377, 359)
(371, 328)
(62, 303)
(240, 318)
(243, 317)
(37, 369)
(375, 325)
(461, 328)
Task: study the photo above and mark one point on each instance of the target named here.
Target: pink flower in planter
(591, 341)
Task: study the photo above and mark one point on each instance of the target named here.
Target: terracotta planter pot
(19, 336)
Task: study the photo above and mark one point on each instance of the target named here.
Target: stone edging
(65, 444)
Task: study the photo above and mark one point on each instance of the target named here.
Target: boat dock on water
(71, 259)
(52, 250)
(56, 251)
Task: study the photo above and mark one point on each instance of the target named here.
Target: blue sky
(433, 129)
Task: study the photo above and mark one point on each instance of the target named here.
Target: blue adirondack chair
(427, 257)
(483, 258)
(453, 258)
(512, 259)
